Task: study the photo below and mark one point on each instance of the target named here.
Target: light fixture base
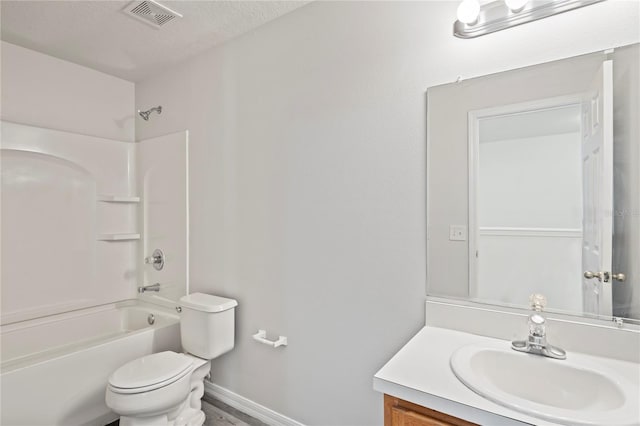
(496, 16)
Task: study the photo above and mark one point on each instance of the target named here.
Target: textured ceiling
(97, 34)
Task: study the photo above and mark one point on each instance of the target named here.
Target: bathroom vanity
(422, 387)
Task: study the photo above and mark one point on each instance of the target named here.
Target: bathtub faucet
(154, 287)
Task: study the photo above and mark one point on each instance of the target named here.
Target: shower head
(145, 114)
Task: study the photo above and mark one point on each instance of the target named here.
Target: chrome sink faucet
(536, 343)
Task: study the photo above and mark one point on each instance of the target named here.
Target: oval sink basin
(575, 391)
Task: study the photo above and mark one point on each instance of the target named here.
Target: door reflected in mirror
(528, 208)
(553, 192)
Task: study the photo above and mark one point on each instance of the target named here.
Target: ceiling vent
(151, 12)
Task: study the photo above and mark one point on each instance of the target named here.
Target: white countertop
(420, 373)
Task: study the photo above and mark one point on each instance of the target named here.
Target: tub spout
(154, 287)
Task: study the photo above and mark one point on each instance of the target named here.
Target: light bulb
(468, 11)
(516, 5)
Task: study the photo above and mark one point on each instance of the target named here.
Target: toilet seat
(150, 372)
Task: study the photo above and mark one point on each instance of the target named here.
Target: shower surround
(79, 215)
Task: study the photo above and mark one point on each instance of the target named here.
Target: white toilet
(165, 388)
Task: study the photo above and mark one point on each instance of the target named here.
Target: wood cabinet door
(404, 417)
(398, 412)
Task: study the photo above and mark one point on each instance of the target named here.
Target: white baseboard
(247, 406)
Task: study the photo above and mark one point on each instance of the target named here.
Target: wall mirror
(533, 186)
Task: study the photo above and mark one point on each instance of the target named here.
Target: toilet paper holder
(261, 336)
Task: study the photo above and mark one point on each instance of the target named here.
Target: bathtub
(54, 369)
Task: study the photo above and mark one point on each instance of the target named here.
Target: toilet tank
(207, 324)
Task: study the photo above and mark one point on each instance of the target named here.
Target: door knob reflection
(598, 275)
(604, 276)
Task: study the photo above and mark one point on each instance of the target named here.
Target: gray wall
(307, 168)
(44, 91)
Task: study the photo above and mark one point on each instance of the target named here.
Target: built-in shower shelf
(118, 199)
(118, 237)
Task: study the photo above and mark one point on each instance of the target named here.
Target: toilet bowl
(166, 388)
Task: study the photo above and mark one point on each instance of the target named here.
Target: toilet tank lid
(207, 302)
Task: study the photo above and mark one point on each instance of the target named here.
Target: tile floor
(220, 414)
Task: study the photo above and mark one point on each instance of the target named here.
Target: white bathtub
(54, 369)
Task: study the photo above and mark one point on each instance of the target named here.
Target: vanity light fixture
(475, 20)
